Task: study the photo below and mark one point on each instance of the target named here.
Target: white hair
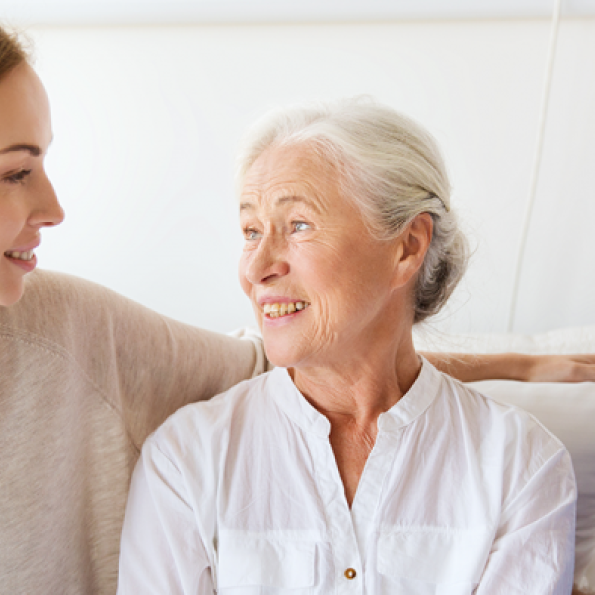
(389, 166)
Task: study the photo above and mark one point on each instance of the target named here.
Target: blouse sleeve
(161, 550)
(533, 551)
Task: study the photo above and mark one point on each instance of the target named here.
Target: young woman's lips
(26, 265)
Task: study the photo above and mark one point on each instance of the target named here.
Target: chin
(10, 295)
(279, 360)
(282, 356)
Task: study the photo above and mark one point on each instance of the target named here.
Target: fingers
(583, 372)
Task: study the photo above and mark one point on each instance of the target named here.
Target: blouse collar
(412, 405)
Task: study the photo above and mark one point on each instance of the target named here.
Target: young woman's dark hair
(12, 52)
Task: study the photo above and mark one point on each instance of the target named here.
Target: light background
(146, 119)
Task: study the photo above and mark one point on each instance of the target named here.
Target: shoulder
(478, 407)
(52, 284)
(53, 302)
(50, 318)
(67, 316)
(207, 426)
(84, 324)
(508, 449)
(502, 427)
(200, 443)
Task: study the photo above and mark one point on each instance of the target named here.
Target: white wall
(146, 120)
(200, 12)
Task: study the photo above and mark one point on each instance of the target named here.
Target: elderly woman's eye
(300, 226)
(251, 233)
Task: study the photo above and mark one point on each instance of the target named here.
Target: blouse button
(350, 574)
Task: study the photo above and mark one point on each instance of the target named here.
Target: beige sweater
(85, 376)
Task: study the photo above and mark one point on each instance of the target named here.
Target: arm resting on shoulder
(145, 365)
(469, 367)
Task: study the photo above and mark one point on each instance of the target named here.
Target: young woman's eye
(18, 177)
(300, 226)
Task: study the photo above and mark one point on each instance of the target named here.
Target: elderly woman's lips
(283, 309)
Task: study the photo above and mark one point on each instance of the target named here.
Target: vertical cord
(536, 163)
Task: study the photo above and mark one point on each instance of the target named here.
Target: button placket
(344, 545)
(365, 506)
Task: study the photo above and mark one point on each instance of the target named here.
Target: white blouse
(242, 495)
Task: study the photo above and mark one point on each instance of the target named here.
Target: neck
(353, 393)
(361, 386)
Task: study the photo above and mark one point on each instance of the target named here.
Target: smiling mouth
(20, 255)
(279, 310)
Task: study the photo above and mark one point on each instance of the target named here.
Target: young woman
(86, 375)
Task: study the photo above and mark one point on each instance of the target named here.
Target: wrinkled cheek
(324, 323)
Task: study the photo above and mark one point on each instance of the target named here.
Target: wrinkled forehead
(289, 171)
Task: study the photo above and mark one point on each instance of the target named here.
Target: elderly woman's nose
(268, 263)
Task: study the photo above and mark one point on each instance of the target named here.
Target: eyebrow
(33, 149)
(248, 206)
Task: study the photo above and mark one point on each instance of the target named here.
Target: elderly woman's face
(318, 281)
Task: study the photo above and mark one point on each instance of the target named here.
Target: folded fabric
(567, 410)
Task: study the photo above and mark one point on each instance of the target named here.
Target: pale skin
(351, 400)
(28, 203)
(27, 200)
(350, 352)
(516, 366)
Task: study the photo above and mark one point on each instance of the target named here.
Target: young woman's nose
(46, 210)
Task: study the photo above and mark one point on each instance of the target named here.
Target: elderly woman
(354, 466)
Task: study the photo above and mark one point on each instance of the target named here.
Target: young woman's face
(27, 199)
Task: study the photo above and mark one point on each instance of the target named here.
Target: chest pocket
(251, 565)
(432, 561)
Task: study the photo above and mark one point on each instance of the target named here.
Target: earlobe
(413, 243)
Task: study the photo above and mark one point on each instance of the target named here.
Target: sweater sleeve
(146, 365)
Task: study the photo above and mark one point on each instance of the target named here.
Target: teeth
(20, 255)
(278, 310)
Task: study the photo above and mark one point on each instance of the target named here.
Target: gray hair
(389, 166)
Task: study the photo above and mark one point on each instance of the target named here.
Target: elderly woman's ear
(410, 249)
